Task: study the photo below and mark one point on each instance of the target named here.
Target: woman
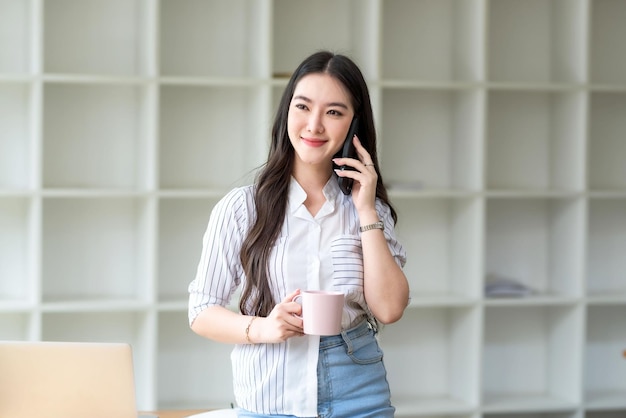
(294, 229)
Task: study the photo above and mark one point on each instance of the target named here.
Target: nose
(314, 124)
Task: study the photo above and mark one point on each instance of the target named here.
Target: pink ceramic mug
(321, 311)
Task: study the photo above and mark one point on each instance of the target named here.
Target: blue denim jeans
(351, 377)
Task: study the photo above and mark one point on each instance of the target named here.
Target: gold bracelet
(377, 225)
(248, 330)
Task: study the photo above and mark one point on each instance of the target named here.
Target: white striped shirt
(311, 253)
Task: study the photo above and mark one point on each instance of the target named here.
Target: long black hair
(272, 183)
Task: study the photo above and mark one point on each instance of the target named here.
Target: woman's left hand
(365, 177)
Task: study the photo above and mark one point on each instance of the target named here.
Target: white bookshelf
(501, 126)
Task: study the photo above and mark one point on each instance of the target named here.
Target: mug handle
(295, 299)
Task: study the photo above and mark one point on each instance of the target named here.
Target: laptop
(66, 380)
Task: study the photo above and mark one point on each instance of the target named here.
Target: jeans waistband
(346, 336)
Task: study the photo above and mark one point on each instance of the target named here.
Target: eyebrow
(331, 104)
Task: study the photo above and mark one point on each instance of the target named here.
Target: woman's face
(319, 116)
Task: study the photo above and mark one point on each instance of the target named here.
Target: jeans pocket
(365, 349)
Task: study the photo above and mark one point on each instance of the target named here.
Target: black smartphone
(348, 151)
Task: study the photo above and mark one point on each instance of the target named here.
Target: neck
(312, 178)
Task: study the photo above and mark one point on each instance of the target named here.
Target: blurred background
(502, 139)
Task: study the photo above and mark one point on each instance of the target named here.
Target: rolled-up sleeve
(397, 250)
(219, 271)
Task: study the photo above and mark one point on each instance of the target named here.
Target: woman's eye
(334, 112)
(300, 106)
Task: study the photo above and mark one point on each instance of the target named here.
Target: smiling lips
(313, 142)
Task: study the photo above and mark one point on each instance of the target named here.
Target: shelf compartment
(227, 141)
(444, 414)
(95, 249)
(403, 410)
(607, 55)
(441, 374)
(213, 38)
(116, 327)
(182, 223)
(605, 355)
(15, 135)
(537, 41)
(538, 243)
(15, 36)
(15, 326)
(618, 413)
(16, 238)
(432, 139)
(442, 238)
(415, 33)
(535, 140)
(347, 27)
(95, 136)
(606, 145)
(277, 94)
(573, 414)
(119, 327)
(186, 357)
(531, 359)
(606, 266)
(77, 33)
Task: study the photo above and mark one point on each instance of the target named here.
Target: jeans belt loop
(344, 335)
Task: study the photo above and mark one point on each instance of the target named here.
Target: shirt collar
(297, 195)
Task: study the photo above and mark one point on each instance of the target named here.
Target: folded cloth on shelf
(498, 286)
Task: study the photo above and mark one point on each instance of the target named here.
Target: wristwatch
(377, 225)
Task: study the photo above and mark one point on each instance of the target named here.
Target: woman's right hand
(283, 322)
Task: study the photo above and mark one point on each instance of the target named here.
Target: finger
(359, 146)
(290, 296)
(364, 156)
(353, 174)
(294, 323)
(290, 306)
(358, 143)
